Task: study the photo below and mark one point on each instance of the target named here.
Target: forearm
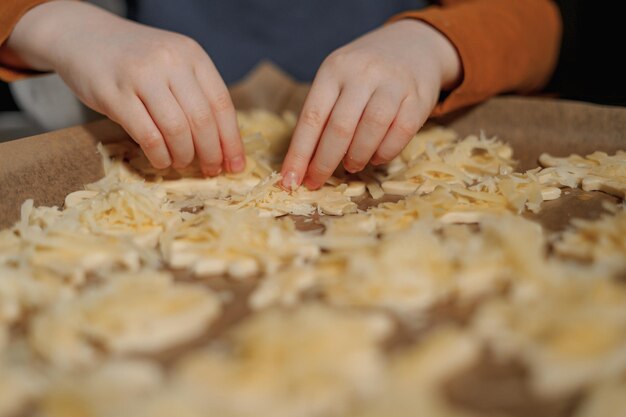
(504, 46)
(447, 57)
(11, 13)
(38, 41)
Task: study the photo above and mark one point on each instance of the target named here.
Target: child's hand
(368, 99)
(160, 86)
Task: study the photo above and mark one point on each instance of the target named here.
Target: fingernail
(351, 168)
(290, 180)
(237, 164)
(211, 170)
(376, 161)
(310, 184)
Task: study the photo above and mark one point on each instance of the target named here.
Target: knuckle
(377, 117)
(335, 60)
(160, 53)
(222, 103)
(156, 54)
(425, 94)
(372, 68)
(174, 128)
(407, 128)
(312, 117)
(202, 117)
(165, 52)
(340, 128)
(136, 71)
(104, 103)
(187, 42)
(370, 65)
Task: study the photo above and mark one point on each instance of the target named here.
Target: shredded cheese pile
(159, 292)
(50, 242)
(116, 207)
(570, 334)
(238, 243)
(161, 315)
(312, 360)
(414, 376)
(601, 242)
(271, 200)
(112, 388)
(597, 171)
(453, 262)
(475, 169)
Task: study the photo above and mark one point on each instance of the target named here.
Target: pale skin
(367, 100)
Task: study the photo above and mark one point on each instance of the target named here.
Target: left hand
(368, 99)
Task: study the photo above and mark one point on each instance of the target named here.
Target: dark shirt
(295, 34)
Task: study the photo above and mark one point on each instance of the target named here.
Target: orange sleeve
(504, 45)
(10, 13)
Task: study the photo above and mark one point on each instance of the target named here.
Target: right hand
(161, 87)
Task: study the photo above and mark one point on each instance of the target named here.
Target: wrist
(39, 38)
(30, 36)
(445, 54)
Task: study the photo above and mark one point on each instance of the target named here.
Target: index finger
(224, 114)
(315, 112)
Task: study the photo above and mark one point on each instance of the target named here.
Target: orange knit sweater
(504, 45)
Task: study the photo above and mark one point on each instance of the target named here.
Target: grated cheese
(142, 312)
(597, 171)
(601, 242)
(87, 308)
(416, 373)
(576, 339)
(279, 360)
(112, 389)
(240, 243)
